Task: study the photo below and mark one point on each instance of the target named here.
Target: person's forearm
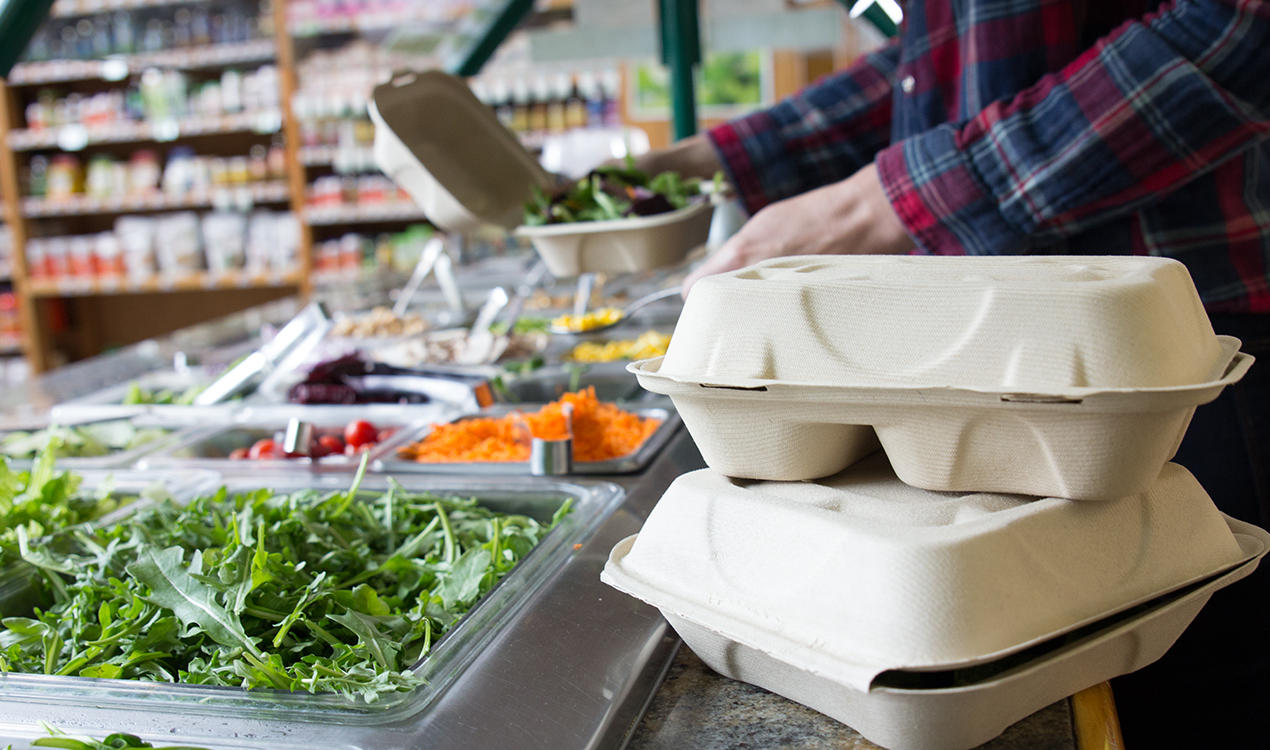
(1156, 103)
(691, 157)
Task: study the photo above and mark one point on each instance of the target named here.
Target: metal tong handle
(427, 261)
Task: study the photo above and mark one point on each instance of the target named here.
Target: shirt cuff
(941, 200)
(733, 142)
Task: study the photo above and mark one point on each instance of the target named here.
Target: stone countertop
(699, 709)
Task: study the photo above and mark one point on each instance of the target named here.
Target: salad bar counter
(192, 555)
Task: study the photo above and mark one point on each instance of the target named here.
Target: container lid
(860, 573)
(450, 152)
(1029, 324)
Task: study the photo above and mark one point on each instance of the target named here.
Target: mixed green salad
(335, 592)
(137, 395)
(615, 193)
(80, 441)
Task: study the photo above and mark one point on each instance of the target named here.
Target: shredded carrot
(601, 431)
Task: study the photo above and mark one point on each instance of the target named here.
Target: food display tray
(120, 460)
(209, 449)
(952, 709)
(390, 463)
(272, 718)
(108, 402)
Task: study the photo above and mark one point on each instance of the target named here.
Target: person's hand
(851, 216)
(691, 157)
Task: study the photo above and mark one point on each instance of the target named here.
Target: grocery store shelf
(6, 271)
(241, 196)
(337, 215)
(195, 281)
(71, 8)
(317, 156)
(120, 67)
(364, 23)
(76, 137)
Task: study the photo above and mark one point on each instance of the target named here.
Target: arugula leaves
(325, 592)
(116, 741)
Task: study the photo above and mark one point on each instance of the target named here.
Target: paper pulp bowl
(621, 245)
(1069, 377)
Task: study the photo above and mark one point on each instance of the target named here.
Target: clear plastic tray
(108, 402)
(390, 463)
(120, 460)
(238, 710)
(210, 449)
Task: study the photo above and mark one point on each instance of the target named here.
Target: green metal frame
(503, 22)
(18, 21)
(681, 53)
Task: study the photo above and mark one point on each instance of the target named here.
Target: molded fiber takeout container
(1060, 376)
(823, 591)
(621, 245)
(436, 140)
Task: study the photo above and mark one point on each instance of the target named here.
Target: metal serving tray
(390, 463)
(210, 449)
(269, 718)
(108, 402)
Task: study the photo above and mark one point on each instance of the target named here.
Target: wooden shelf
(197, 281)
(76, 137)
(120, 67)
(241, 196)
(373, 214)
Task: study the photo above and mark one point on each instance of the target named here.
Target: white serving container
(1071, 377)
(436, 140)
(967, 716)
(821, 591)
(621, 245)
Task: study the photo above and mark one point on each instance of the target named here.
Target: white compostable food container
(639, 243)
(824, 592)
(1070, 377)
(436, 140)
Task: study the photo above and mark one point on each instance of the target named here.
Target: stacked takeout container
(1022, 537)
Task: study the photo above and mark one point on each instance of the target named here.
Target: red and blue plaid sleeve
(820, 135)
(1159, 101)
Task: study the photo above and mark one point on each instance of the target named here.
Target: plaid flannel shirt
(1044, 126)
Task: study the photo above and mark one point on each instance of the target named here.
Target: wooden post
(35, 343)
(296, 180)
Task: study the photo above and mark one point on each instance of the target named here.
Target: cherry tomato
(238, 454)
(330, 444)
(264, 448)
(359, 433)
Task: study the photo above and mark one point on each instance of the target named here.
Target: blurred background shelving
(165, 162)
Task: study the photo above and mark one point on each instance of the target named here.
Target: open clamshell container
(621, 245)
(391, 462)
(436, 140)
(211, 449)
(1057, 376)
(260, 713)
(928, 620)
